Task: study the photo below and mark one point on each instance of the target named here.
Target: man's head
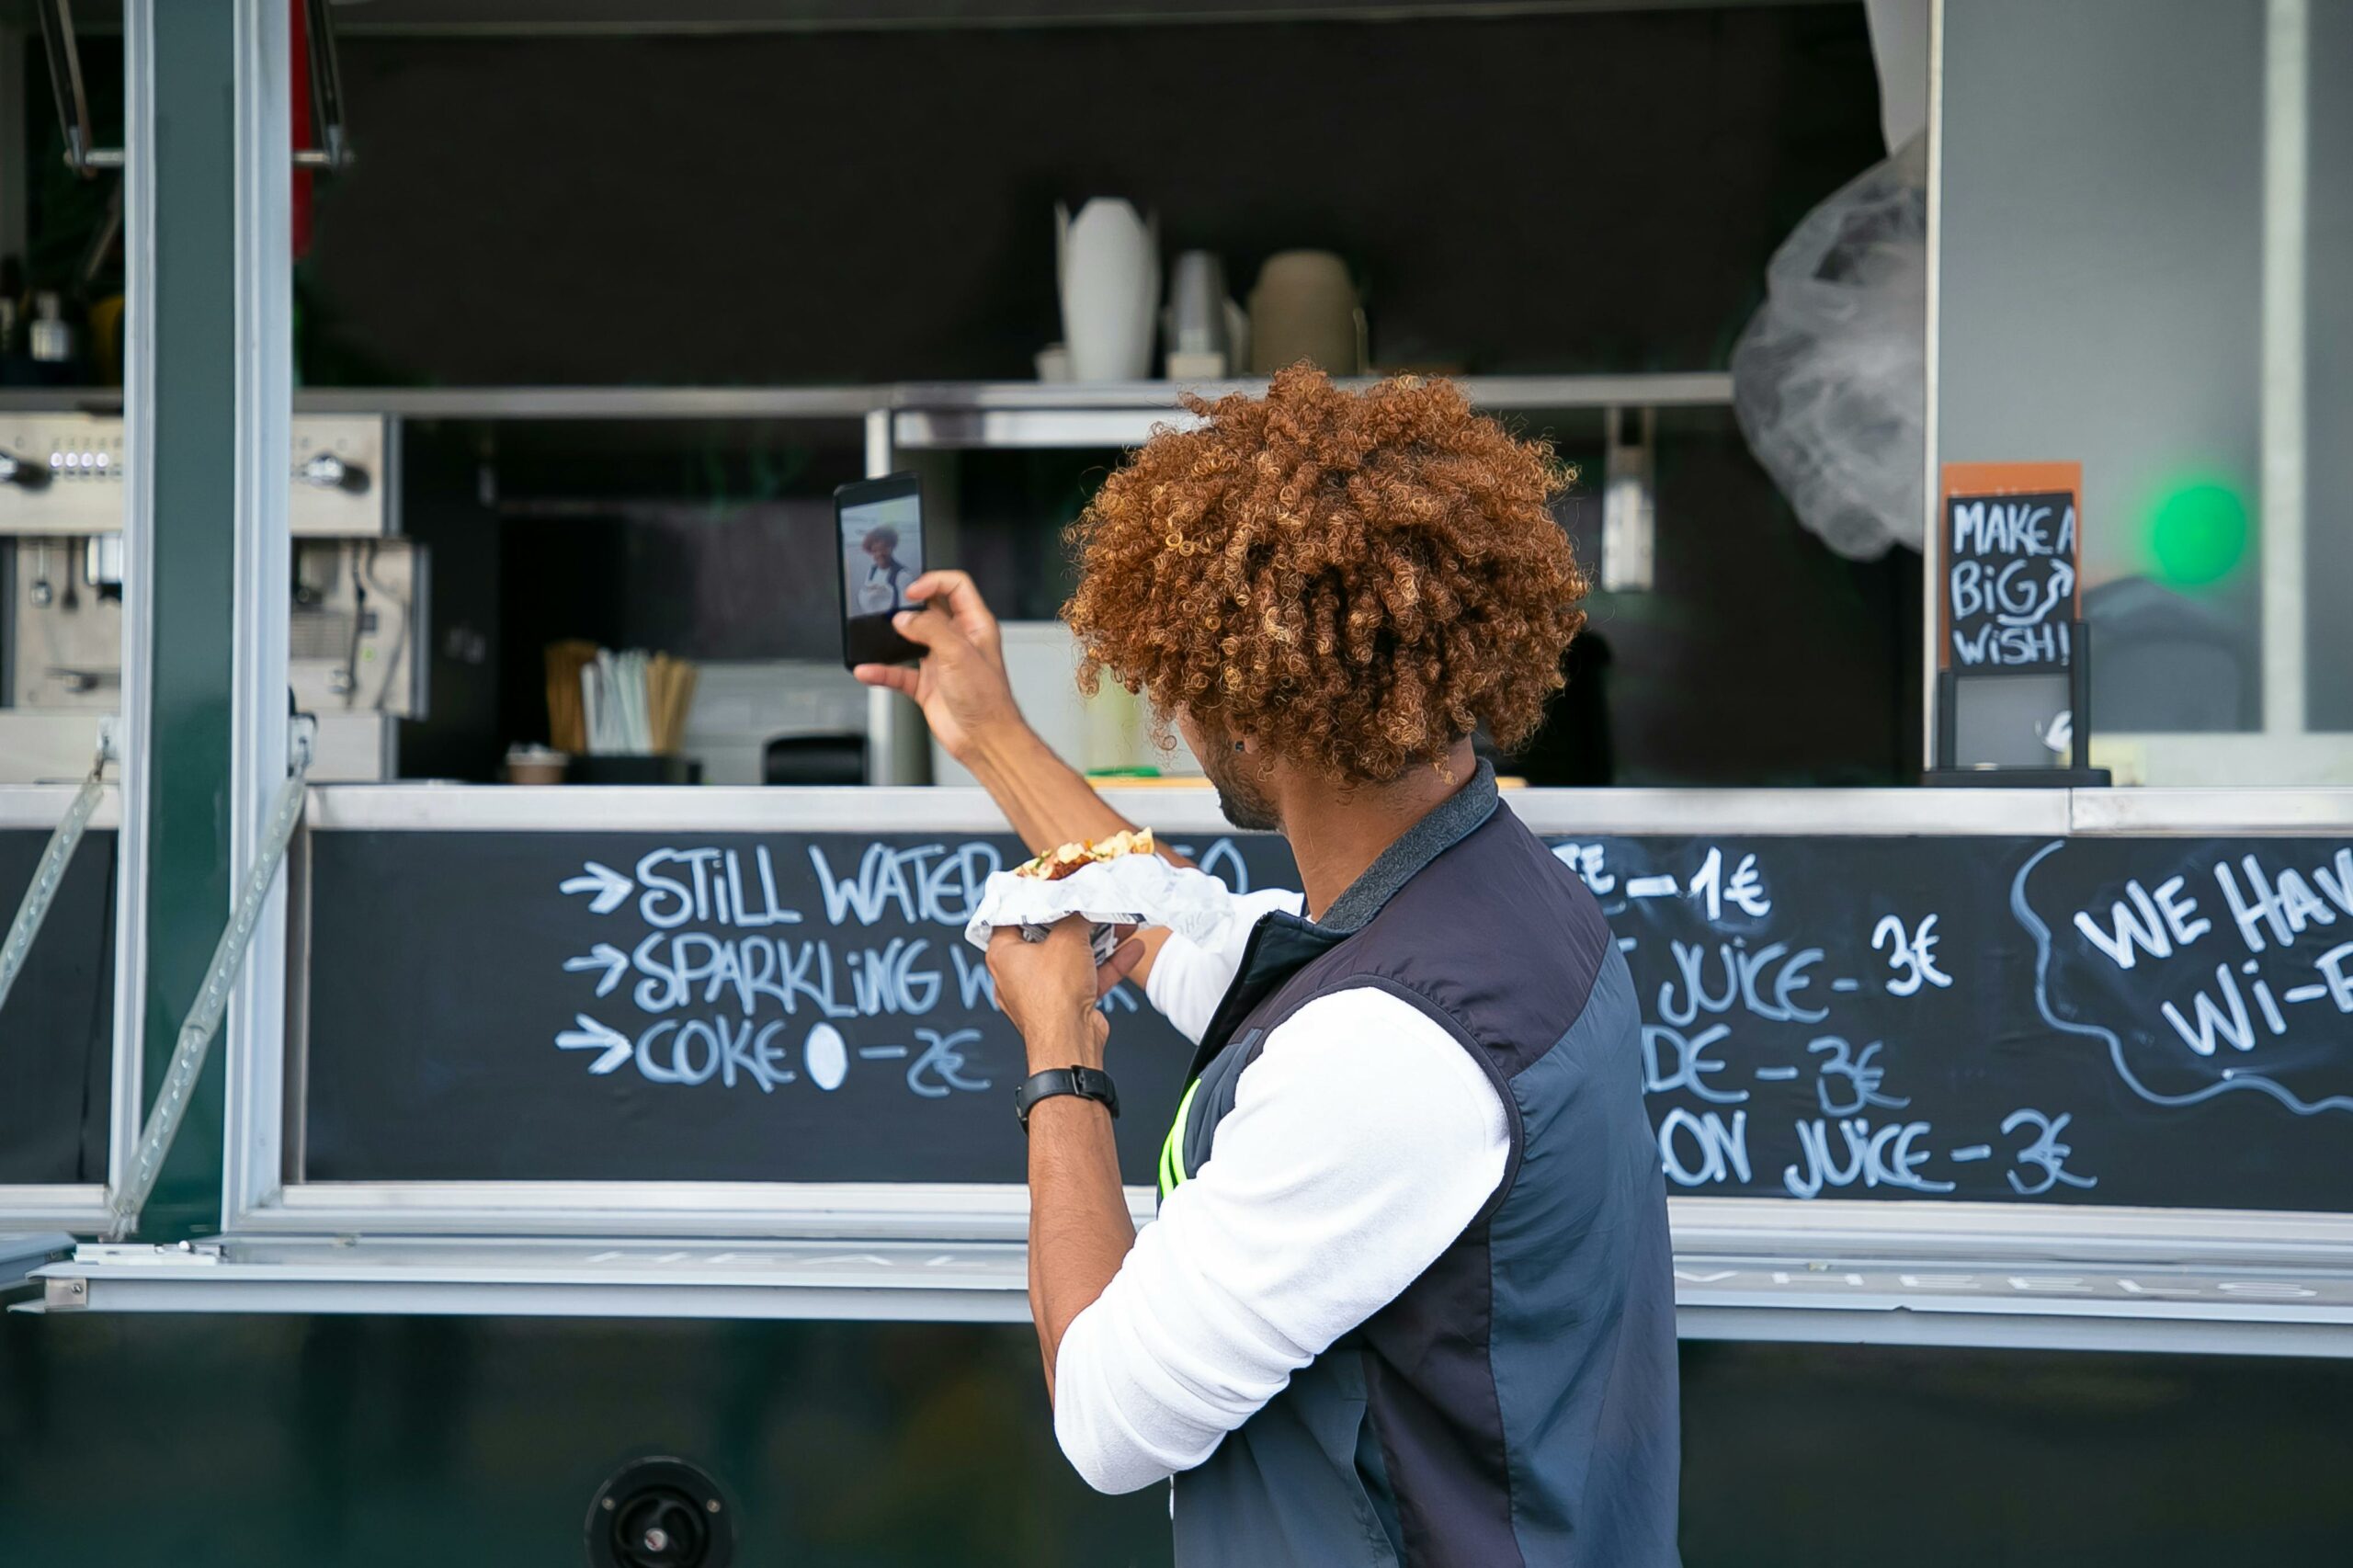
(881, 543)
(1329, 586)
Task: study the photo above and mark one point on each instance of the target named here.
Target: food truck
(436, 1127)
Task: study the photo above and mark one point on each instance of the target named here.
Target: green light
(2198, 531)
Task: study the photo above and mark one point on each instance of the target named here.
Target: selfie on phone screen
(880, 524)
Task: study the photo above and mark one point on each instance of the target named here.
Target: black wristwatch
(1087, 1082)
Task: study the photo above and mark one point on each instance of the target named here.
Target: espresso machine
(357, 601)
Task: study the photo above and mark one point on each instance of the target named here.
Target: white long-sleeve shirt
(1362, 1142)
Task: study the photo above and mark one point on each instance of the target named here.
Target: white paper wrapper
(1132, 890)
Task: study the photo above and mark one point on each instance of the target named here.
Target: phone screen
(881, 528)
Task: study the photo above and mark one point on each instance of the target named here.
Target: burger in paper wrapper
(1112, 882)
(1070, 858)
(1056, 864)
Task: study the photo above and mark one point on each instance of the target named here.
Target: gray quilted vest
(1516, 1404)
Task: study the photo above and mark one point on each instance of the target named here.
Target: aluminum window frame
(82, 1207)
(253, 1027)
(2283, 741)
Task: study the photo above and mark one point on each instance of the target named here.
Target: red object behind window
(299, 52)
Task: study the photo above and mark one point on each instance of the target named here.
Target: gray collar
(1446, 825)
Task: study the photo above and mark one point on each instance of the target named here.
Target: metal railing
(50, 871)
(125, 1204)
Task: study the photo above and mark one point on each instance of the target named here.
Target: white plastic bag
(1829, 382)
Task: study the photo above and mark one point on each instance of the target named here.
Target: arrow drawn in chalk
(609, 886)
(604, 956)
(590, 1035)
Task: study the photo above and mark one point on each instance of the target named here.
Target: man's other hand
(960, 682)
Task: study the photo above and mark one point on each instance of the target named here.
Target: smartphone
(878, 541)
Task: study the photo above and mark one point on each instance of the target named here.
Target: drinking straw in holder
(630, 703)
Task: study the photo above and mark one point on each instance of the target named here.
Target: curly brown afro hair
(1357, 580)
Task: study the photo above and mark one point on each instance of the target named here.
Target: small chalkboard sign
(2009, 565)
(2013, 668)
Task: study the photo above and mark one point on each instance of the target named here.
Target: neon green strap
(1172, 1162)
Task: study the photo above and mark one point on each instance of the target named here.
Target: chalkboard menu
(736, 1006)
(2159, 1021)
(57, 1030)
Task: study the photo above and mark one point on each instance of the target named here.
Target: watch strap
(1087, 1082)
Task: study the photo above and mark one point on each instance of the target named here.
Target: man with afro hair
(1408, 1300)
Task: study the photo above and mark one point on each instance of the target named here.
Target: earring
(1239, 746)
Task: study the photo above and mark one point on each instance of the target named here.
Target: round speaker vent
(660, 1512)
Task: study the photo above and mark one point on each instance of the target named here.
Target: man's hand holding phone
(959, 682)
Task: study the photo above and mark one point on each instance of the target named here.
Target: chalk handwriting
(825, 1055)
(1221, 859)
(1999, 644)
(1766, 982)
(2142, 922)
(587, 1034)
(2240, 1007)
(1876, 1157)
(1745, 891)
(1912, 955)
(603, 955)
(1997, 526)
(749, 974)
(975, 986)
(2018, 594)
(694, 1051)
(1700, 1150)
(707, 886)
(610, 888)
(2283, 907)
(1586, 861)
(1863, 1079)
(2045, 1153)
(1690, 1067)
(940, 1069)
(924, 884)
(2010, 582)
(679, 970)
